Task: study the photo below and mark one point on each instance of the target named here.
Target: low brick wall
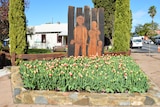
(21, 95)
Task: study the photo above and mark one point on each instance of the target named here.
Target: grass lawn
(40, 51)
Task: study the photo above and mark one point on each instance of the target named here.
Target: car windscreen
(137, 40)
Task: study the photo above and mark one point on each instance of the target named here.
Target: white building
(48, 35)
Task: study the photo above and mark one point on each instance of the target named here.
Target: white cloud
(139, 14)
(139, 17)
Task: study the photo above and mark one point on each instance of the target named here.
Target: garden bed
(21, 95)
(106, 80)
(107, 74)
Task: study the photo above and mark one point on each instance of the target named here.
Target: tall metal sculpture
(86, 36)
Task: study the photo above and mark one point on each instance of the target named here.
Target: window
(137, 40)
(43, 40)
(59, 39)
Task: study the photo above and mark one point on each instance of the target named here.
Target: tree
(109, 9)
(152, 12)
(122, 26)
(30, 31)
(146, 29)
(4, 24)
(17, 26)
(142, 30)
(4, 29)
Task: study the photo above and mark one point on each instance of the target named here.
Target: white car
(136, 42)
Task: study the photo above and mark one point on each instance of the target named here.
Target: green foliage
(109, 8)
(111, 74)
(4, 22)
(152, 12)
(37, 51)
(146, 29)
(4, 25)
(122, 26)
(1, 45)
(5, 48)
(17, 26)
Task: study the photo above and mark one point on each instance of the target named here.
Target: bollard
(158, 48)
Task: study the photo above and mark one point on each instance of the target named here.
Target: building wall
(36, 42)
(158, 32)
(51, 31)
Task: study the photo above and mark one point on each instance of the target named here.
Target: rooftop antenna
(52, 20)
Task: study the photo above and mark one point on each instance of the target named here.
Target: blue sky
(140, 11)
(45, 11)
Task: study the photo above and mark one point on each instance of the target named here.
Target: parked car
(157, 41)
(148, 41)
(136, 42)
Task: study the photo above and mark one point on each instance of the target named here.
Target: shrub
(111, 74)
(5, 48)
(122, 26)
(1, 45)
(17, 26)
(37, 51)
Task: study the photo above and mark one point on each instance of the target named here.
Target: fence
(6, 58)
(12, 57)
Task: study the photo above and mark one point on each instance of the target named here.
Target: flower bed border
(118, 53)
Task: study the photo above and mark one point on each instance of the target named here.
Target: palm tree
(152, 12)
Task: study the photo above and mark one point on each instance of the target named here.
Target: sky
(53, 11)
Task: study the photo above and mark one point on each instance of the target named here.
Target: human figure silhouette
(99, 48)
(80, 37)
(95, 44)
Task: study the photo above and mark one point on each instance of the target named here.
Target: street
(152, 48)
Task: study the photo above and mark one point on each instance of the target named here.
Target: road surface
(152, 48)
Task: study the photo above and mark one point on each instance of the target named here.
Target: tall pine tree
(122, 26)
(17, 26)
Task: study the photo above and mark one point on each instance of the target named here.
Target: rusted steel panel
(101, 25)
(71, 15)
(94, 14)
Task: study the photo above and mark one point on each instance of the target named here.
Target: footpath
(149, 63)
